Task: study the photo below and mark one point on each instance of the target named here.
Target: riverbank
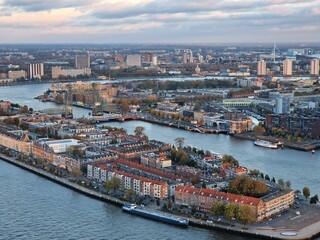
(310, 232)
(308, 146)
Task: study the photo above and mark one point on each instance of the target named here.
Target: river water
(35, 208)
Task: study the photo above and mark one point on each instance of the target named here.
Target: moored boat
(133, 209)
(266, 144)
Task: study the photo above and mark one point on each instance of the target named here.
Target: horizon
(159, 22)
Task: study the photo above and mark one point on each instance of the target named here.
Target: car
(297, 213)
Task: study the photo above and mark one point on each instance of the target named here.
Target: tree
(314, 199)
(230, 211)
(306, 192)
(248, 187)
(113, 184)
(129, 194)
(267, 177)
(230, 159)
(179, 142)
(273, 180)
(217, 208)
(139, 131)
(24, 109)
(76, 171)
(281, 183)
(255, 172)
(288, 184)
(259, 129)
(246, 215)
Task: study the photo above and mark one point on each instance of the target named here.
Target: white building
(61, 146)
(314, 67)
(57, 71)
(35, 70)
(134, 60)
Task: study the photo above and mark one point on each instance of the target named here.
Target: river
(35, 208)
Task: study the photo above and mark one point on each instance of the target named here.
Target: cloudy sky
(159, 21)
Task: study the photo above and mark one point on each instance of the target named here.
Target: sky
(159, 21)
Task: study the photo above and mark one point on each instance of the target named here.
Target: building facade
(287, 67)
(35, 70)
(314, 67)
(262, 68)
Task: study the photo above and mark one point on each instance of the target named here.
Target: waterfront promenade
(259, 231)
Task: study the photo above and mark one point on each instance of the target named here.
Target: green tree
(306, 192)
(267, 177)
(217, 208)
(246, 215)
(113, 184)
(230, 159)
(230, 211)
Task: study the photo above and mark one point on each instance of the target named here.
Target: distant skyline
(159, 21)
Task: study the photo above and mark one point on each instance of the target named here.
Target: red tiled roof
(230, 197)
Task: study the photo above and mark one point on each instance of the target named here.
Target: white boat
(266, 144)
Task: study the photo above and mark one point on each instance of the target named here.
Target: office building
(35, 70)
(281, 102)
(314, 67)
(57, 72)
(287, 67)
(134, 60)
(262, 68)
(16, 74)
(83, 61)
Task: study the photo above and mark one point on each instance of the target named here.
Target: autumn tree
(248, 187)
(246, 215)
(217, 208)
(230, 211)
(306, 192)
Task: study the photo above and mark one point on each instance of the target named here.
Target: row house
(142, 186)
(22, 144)
(262, 207)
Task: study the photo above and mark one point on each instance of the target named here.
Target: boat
(133, 209)
(266, 144)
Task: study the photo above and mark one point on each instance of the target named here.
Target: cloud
(160, 20)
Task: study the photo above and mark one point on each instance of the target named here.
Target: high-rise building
(35, 70)
(148, 57)
(134, 60)
(83, 61)
(287, 67)
(155, 60)
(281, 102)
(191, 57)
(185, 57)
(314, 67)
(262, 68)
